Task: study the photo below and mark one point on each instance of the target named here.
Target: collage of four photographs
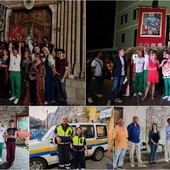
(84, 84)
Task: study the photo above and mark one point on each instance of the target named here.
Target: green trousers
(138, 86)
(145, 73)
(167, 86)
(15, 78)
(1, 149)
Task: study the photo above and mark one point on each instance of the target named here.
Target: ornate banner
(23, 125)
(2, 22)
(151, 26)
(15, 33)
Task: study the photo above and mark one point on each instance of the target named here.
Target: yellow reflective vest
(65, 136)
(78, 141)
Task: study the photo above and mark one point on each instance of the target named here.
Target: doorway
(118, 114)
(40, 18)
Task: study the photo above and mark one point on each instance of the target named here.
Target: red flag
(15, 33)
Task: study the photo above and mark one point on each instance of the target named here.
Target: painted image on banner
(151, 24)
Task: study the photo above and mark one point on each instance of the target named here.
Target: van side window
(88, 131)
(101, 131)
(74, 129)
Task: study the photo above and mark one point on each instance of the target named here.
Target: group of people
(69, 143)
(131, 133)
(8, 138)
(141, 72)
(33, 74)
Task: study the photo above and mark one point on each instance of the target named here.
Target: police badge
(28, 4)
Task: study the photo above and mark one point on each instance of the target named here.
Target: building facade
(126, 21)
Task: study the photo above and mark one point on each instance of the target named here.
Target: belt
(166, 76)
(78, 150)
(66, 143)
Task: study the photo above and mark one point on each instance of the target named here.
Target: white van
(43, 152)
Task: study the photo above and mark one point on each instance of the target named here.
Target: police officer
(78, 146)
(63, 133)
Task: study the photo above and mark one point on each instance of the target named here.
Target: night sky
(100, 24)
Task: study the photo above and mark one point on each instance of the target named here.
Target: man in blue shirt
(167, 146)
(134, 142)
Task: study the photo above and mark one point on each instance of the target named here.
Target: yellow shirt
(120, 134)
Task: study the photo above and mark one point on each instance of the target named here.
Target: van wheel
(37, 163)
(98, 154)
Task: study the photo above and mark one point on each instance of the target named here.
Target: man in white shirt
(138, 67)
(15, 73)
(97, 77)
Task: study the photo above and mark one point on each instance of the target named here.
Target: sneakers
(0, 160)
(168, 99)
(121, 167)
(132, 165)
(45, 103)
(134, 94)
(99, 95)
(118, 100)
(142, 166)
(90, 100)
(165, 97)
(140, 94)
(109, 103)
(12, 98)
(16, 101)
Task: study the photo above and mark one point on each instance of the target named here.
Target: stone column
(69, 32)
(65, 25)
(78, 23)
(62, 25)
(73, 34)
(58, 24)
(83, 39)
(53, 8)
(8, 14)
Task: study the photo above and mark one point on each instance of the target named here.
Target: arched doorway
(39, 17)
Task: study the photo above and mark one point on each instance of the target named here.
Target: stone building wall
(129, 112)
(75, 92)
(158, 115)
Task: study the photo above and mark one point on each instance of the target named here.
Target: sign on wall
(151, 26)
(105, 113)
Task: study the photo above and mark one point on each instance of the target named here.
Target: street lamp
(45, 111)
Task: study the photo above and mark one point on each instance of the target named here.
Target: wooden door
(118, 114)
(41, 17)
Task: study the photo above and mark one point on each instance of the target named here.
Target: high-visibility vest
(64, 135)
(78, 141)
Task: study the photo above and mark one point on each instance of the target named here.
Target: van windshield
(47, 134)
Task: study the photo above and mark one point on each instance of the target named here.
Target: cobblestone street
(127, 101)
(21, 160)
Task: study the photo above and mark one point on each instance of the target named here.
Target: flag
(15, 33)
(151, 26)
(30, 35)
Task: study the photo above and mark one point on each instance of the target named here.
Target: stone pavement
(21, 159)
(127, 101)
